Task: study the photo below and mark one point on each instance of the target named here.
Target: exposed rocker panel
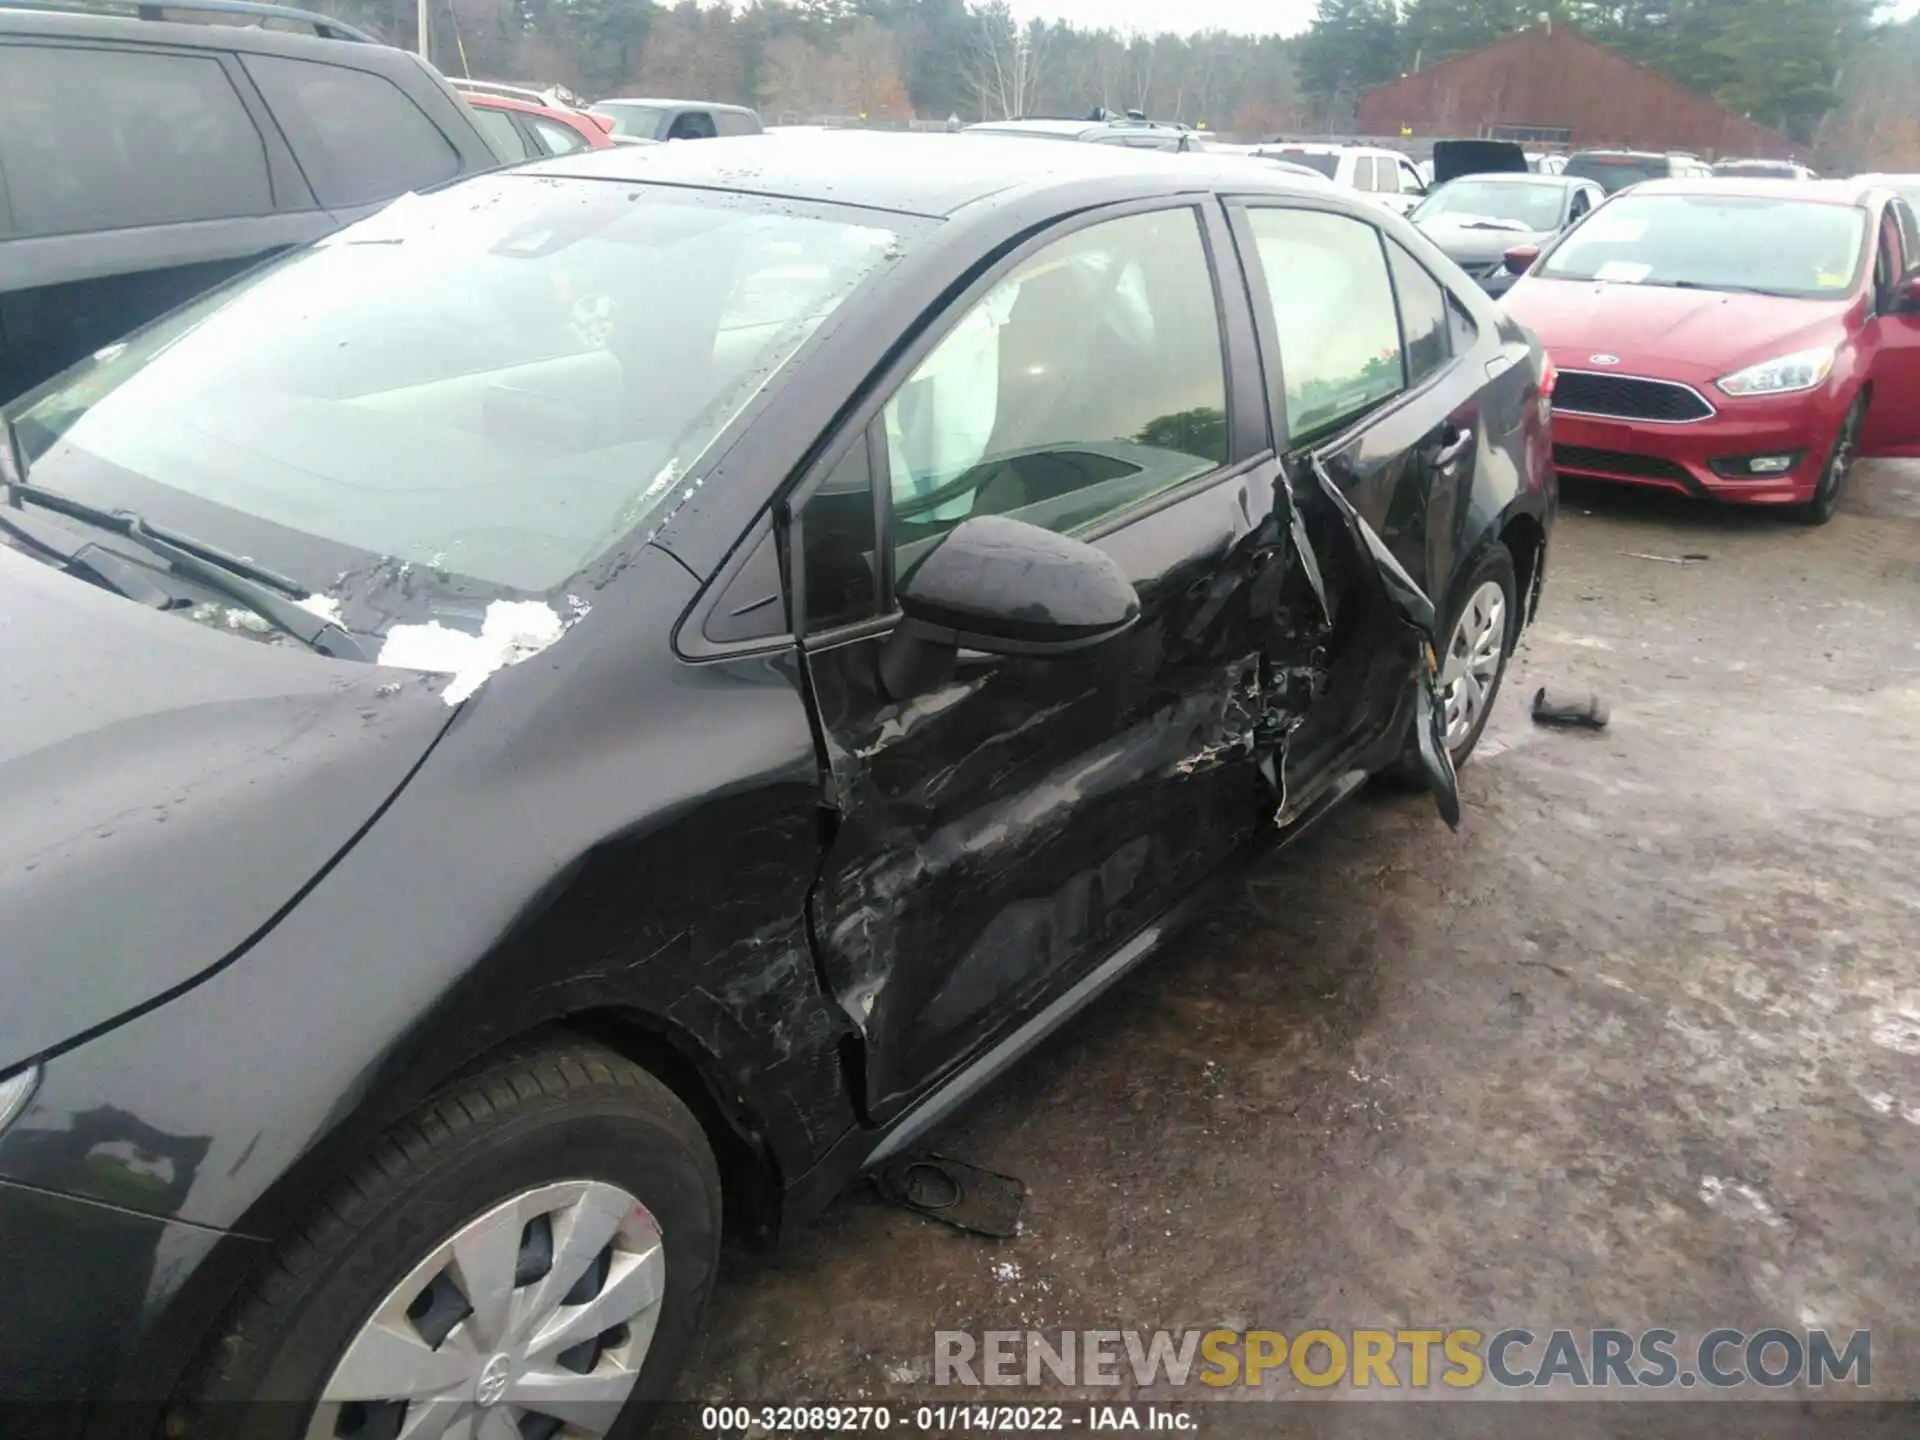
(984, 1071)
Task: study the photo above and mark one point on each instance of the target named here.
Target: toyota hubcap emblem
(493, 1380)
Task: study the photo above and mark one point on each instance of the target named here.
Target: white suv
(1385, 176)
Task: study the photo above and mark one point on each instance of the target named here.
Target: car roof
(1321, 147)
(509, 102)
(1828, 192)
(220, 31)
(1038, 127)
(668, 104)
(920, 174)
(1522, 177)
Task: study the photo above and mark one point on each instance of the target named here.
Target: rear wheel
(526, 1257)
(1481, 631)
(1833, 478)
(1479, 643)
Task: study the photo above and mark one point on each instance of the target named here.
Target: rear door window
(498, 126)
(735, 122)
(1327, 165)
(1363, 172)
(692, 125)
(1423, 315)
(112, 139)
(357, 136)
(1333, 315)
(555, 138)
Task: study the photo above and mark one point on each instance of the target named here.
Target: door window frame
(864, 424)
(1240, 210)
(287, 188)
(536, 136)
(513, 124)
(461, 167)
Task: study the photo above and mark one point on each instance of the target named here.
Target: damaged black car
(591, 707)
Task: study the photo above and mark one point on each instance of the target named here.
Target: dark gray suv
(143, 161)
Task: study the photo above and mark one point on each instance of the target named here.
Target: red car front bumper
(1708, 457)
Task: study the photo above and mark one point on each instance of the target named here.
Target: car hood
(166, 791)
(1657, 327)
(1470, 245)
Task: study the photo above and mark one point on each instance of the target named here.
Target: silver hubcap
(1473, 660)
(530, 1322)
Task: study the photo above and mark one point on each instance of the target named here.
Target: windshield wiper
(1701, 285)
(268, 594)
(87, 561)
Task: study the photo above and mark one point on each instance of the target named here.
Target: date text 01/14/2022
(945, 1419)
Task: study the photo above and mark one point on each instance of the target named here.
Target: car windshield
(1534, 207)
(1327, 165)
(495, 382)
(645, 121)
(1797, 248)
(1617, 172)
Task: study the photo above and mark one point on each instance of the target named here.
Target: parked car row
(1744, 340)
(1743, 332)
(585, 707)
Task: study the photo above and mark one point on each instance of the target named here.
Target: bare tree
(866, 73)
(1142, 53)
(1006, 63)
(791, 72)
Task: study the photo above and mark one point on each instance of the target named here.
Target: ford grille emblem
(1603, 359)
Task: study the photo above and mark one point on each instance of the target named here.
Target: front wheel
(527, 1256)
(1833, 477)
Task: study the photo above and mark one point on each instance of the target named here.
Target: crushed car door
(999, 831)
(1892, 425)
(1382, 427)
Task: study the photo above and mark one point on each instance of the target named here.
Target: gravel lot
(1640, 1046)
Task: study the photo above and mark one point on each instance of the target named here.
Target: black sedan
(619, 693)
(1478, 220)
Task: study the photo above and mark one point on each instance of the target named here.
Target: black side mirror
(1003, 587)
(1906, 295)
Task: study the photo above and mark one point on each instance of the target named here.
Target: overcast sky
(1255, 17)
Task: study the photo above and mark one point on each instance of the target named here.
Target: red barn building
(1553, 86)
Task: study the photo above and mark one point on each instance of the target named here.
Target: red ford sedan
(1739, 339)
(525, 131)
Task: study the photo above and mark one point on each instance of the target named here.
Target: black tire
(1495, 563)
(564, 1109)
(1833, 476)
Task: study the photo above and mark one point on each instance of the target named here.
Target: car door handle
(1454, 443)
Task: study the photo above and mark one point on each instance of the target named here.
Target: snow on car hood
(166, 791)
(511, 631)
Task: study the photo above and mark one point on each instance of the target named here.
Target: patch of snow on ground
(1734, 1198)
(512, 631)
